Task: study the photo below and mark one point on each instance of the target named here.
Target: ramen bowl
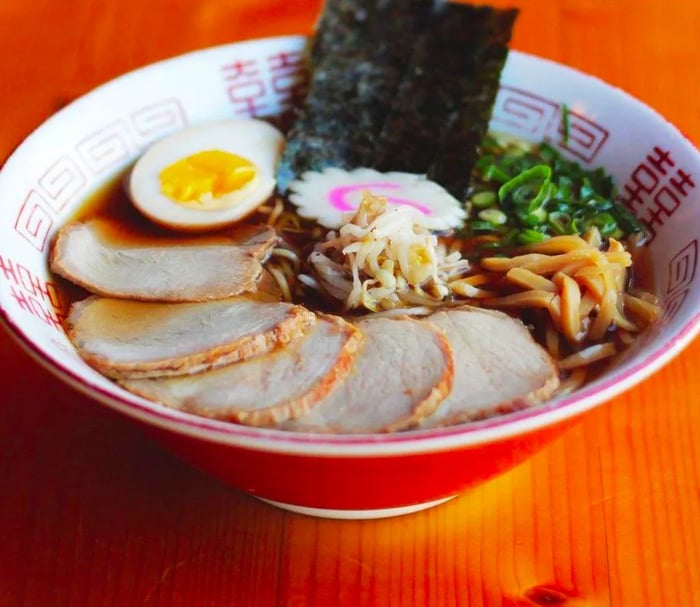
(93, 141)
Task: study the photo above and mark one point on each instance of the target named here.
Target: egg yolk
(206, 175)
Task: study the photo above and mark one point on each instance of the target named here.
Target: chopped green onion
(481, 226)
(548, 154)
(563, 192)
(494, 173)
(539, 193)
(533, 218)
(482, 200)
(560, 223)
(598, 203)
(493, 216)
(495, 244)
(531, 237)
(628, 223)
(605, 222)
(561, 207)
(565, 121)
(530, 187)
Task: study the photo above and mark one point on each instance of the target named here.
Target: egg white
(254, 140)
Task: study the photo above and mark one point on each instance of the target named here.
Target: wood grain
(94, 514)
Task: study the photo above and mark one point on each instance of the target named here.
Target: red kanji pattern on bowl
(159, 119)
(33, 295)
(34, 220)
(681, 272)
(534, 117)
(62, 182)
(656, 189)
(106, 148)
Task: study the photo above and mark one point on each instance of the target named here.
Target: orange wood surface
(94, 514)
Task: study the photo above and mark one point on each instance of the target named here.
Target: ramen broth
(110, 204)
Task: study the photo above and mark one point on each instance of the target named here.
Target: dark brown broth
(120, 220)
(111, 205)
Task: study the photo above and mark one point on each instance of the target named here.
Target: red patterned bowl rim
(419, 441)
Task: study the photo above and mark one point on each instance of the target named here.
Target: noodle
(573, 382)
(551, 338)
(415, 311)
(549, 264)
(287, 254)
(554, 309)
(588, 302)
(625, 337)
(641, 308)
(529, 280)
(309, 281)
(593, 237)
(602, 321)
(645, 295)
(588, 355)
(277, 210)
(580, 287)
(573, 267)
(622, 322)
(559, 244)
(571, 289)
(479, 279)
(465, 289)
(526, 299)
(592, 280)
(570, 319)
(282, 282)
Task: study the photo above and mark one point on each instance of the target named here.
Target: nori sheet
(444, 103)
(358, 59)
(342, 26)
(404, 85)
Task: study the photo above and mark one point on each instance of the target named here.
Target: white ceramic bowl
(92, 140)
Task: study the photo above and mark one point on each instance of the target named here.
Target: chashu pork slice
(123, 338)
(400, 375)
(265, 390)
(93, 256)
(498, 366)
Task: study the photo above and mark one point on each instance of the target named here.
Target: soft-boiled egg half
(207, 176)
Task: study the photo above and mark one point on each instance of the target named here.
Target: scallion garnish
(531, 237)
(484, 199)
(528, 194)
(493, 216)
(565, 121)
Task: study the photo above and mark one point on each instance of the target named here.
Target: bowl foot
(357, 514)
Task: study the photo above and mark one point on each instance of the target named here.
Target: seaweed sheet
(443, 106)
(342, 26)
(358, 60)
(399, 85)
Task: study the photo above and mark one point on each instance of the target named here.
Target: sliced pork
(268, 389)
(400, 375)
(161, 270)
(124, 338)
(498, 366)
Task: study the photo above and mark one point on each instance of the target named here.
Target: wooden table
(93, 514)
